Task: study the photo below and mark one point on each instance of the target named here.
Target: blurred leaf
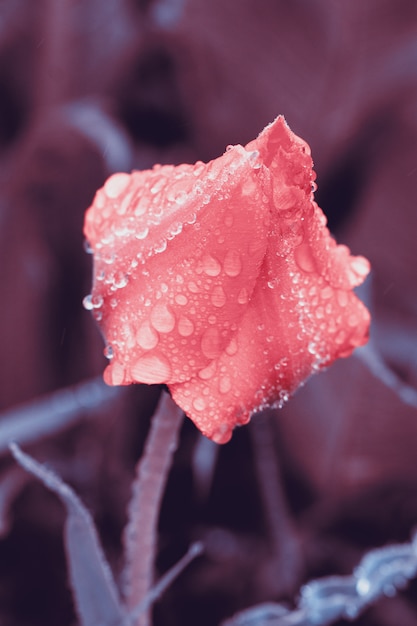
(93, 586)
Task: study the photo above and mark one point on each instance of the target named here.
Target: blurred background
(90, 87)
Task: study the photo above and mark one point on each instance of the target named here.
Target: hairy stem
(149, 485)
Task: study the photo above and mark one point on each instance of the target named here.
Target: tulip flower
(222, 281)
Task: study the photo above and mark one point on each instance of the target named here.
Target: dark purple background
(89, 87)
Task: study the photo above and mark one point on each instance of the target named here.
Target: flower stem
(148, 489)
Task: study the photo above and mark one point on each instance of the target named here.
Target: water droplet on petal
(231, 349)
(199, 404)
(151, 369)
(185, 326)
(243, 296)
(108, 352)
(181, 299)
(157, 186)
(360, 266)
(87, 247)
(125, 203)
(146, 336)
(87, 302)
(142, 233)
(181, 197)
(116, 373)
(208, 372)
(162, 318)
(232, 263)
(225, 384)
(161, 247)
(141, 206)
(218, 296)
(353, 320)
(210, 343)
(211, 266)
(340, 337)
(120, 280)
(116, 184)
(193, 287)
(342, 297)
(304, 258)
(222, 434)
(326, 293)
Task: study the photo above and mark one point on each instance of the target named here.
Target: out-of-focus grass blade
(53, 412)
(93, 586)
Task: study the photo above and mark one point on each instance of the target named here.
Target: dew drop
(120, 280)
(360, 266)
(218, 296)
(232, 263)
(141, 206)
(222, 434)
(231, 349)
(142, 233)
(146, 336)
(312, 348)
(125, 203)
(340, 337)
(342, 297)
(181, 197)
(116, 184)
(185, 326)
(210, 343)
(326, 293)
(87, 247)
(199, 404)
(193, 287)
(225, 384)
(117, 373)
(151, 369)
(199, 168)
(211, 266)
(158, 186)
(100, 199)
(191, 219)
(254, 159)
(242, 297)
(108, 352)
(162, 318)
(87, 302)
(175, 229)
(161, 247)
(352, 320)
(208, 372)
(181, 299)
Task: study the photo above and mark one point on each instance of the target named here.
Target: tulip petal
(189, 297)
